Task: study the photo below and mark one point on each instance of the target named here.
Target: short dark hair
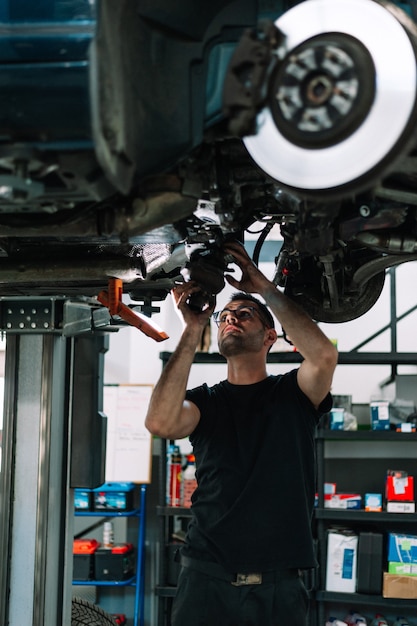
(263, 309)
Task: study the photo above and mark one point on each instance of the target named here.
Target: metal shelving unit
(138, 579)
(365, 471)
(360, 599)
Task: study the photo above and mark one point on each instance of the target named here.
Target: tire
(84, 613)
(350, 307)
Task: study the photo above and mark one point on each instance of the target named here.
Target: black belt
(239, 578)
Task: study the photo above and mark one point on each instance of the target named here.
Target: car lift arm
(112, 299)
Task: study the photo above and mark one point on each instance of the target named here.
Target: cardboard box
(406, 427)
(343, 501)
(114, 497)
(380, 415)
(399, 586)
(373, 502)
(342, 549)
(401, 507)
(402, 569)
(399, 488)
(402, 548)
(83, 500)
(337, 419)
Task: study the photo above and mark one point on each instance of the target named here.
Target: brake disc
(341, 104)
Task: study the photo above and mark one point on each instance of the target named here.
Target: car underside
(137, 138)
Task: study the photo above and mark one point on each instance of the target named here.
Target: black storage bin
(370, 563)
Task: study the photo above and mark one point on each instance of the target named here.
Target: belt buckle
(254, 578)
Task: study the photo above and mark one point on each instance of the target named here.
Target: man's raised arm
(320, 356)
(169, 414)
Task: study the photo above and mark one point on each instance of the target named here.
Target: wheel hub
(341, 102)
(322, 91)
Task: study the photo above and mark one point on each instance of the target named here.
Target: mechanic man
(253, 439)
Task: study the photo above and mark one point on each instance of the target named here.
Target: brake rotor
(342, 98)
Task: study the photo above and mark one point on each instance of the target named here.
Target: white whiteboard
(129, 443)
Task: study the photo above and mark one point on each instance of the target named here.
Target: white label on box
(401, 507)
(381, 408)
(383, 412)
(335, 503)
(403, 569)
(400, 484)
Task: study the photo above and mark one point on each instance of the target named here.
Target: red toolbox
(83, 551)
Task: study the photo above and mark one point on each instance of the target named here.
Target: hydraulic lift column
(43, 359)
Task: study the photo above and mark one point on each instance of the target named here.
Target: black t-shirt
(255, 466)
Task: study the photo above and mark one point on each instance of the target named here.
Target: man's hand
(252, 279)
(191, 317)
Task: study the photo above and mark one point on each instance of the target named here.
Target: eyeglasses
(241, 313)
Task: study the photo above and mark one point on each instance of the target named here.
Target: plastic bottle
(355, 618)
(379, 620)
(108, 535)
(175, 478)
(189, 482)
(401, 621)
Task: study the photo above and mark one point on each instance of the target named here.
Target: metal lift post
(36, 495)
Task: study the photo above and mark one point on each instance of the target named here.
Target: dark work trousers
(204, 600)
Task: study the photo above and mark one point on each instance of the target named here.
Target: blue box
(114, 497)
(402, 548)
(83, 500)
(373, 502)
(380, 415)
(337, 419)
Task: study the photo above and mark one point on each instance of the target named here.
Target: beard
(236, 344)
